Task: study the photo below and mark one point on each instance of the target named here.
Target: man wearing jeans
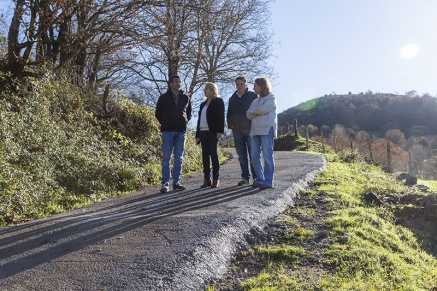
(173, 112)
(240, 125)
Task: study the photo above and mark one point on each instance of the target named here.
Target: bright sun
(409, 51)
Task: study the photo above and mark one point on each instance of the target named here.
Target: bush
(60, 150)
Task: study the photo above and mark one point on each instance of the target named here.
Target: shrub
(60, 150)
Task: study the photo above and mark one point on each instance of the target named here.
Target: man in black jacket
(239, 103)
(173, 112)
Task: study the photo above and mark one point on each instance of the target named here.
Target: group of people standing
(251, 116)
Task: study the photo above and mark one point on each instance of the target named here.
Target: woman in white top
(262, 112)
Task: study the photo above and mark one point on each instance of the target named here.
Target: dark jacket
(236, 116)
(215, 116)
(170, 116)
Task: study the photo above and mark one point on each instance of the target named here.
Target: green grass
(60, 151)
(378, 254)
(290, 142)
(282, 252)
(431, 184)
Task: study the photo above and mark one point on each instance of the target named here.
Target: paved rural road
(173, 241)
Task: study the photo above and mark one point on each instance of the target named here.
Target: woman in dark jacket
(210, 128)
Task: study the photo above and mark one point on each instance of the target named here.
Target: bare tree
(202, 40)
(71, 36)
(396, 136)
(138, 45)
(341, 137)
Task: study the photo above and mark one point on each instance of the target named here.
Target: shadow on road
(28, 245)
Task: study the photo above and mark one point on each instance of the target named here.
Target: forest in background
(374, 113)
(408, 121)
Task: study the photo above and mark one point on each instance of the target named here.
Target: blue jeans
(170, 140)
(242, 141)
(209, 143)
(263, 143)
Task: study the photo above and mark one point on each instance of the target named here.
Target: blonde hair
(213, 88)
(264, 83)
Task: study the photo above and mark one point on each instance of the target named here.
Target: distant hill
(371, 112)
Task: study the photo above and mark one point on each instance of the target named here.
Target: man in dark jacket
(239, 103)
(173, 112)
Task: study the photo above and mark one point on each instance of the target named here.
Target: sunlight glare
(409, 51)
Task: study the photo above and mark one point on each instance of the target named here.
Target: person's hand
(219, 135)
(197, 140)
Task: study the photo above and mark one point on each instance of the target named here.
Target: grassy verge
(60, 150)
(367, 249)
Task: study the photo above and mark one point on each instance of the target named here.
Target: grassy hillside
(291, 142)
(374, 113)
(59, 149)
(333, 238)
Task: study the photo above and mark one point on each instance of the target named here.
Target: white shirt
(203, 123)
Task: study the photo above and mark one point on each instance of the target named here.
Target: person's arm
(158, 110)
(264, 106)
(229, 116)
(221, 118)
(250, 112)
(189, 109)
(198, 124)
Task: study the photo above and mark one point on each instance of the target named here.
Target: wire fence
(418, 161)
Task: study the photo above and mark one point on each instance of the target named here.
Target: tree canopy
(137, 45)
(375, 113)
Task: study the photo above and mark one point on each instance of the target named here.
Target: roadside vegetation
(333, 239)
(60, 149)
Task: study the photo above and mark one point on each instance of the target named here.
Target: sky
(326, 46)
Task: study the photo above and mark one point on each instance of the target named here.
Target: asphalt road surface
(151, 241)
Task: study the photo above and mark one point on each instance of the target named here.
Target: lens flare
(409, 51)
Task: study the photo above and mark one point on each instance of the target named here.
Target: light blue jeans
(170, 140)
(263, 143)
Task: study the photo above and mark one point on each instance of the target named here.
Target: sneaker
(263, 187)
(165, 187)
(178, 186)
(243, 182)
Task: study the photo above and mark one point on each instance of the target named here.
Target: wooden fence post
(370, 149)
(412, 168)
(389, 154)
(307, 137)
(323, 142)
(335, 143)
(295, 127)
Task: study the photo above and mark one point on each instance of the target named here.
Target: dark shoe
(243, 182)
(262, 187)
(256, 185)
(164, 187)
(215, 183)
(206, 183)
(178, 186)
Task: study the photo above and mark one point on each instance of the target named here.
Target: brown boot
(215, 183)
(206, 183)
